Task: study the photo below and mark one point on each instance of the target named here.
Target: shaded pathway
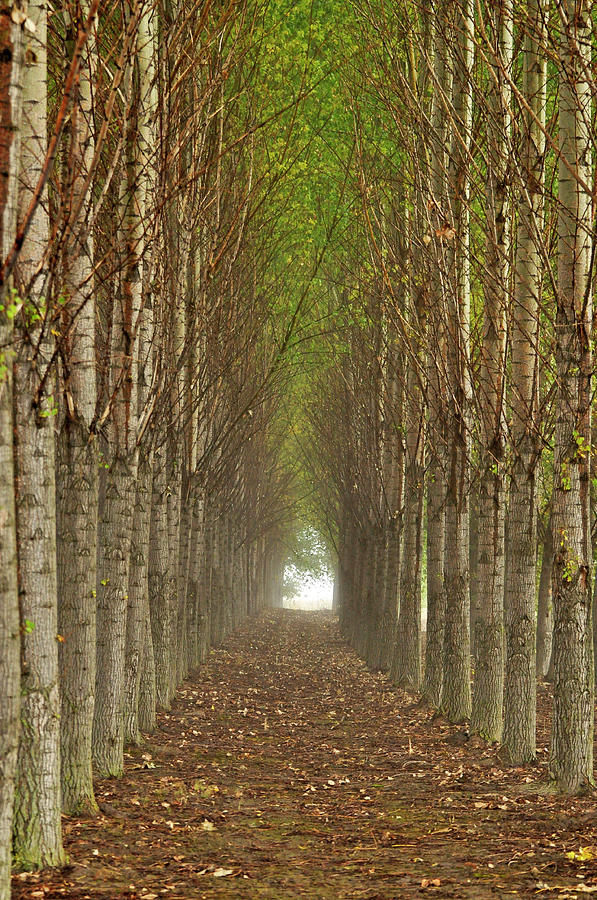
(285, 769)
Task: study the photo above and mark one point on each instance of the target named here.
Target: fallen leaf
(582, 855)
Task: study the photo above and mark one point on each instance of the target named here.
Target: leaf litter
(286, 769)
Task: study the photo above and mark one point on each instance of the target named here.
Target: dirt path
(285, 769)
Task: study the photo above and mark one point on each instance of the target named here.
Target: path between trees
(286, 769)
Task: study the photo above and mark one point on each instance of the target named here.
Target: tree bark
(10, 115)
(115, 534)
(545, 605)
(521, 555)
(436, 597)
(571, 759)
(158, 580)
(436, 373)
(486, 718)
(37, 819)
(147, 677)
(456, 697)
(173, 512)
(138, 600)
(77, 469)
(117, 516)
(406, 670)
(143, 188)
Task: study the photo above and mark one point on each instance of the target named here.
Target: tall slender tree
(456, 696)
(121, 450)
(571, 761)
(521, 555)
(486, 717)
(10, 123)
(37, 824)
(76, 448)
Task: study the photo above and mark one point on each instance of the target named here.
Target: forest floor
(286, 769)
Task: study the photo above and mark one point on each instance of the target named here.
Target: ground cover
(286, 769)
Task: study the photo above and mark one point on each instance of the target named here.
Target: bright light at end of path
(314, 593)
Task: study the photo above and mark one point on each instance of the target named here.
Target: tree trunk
(158, 581)
(545, 605)
(521, 554)
(391, 599)
(406, 670)
(184, 534)
(571, 760)
(473, 557)
(143, 187)
(117, 517)
(204, 584)
(137, 603)
(9, 627)
(115, 534)
(394, 467)
(436, 368)
(374, 646)
(206, 608)
(37, 820)
(77, 498)
(10, 114)
(77, 471)
(486, 719)
(436, 597)
(173, 512)
(456, 697)
(192, 584)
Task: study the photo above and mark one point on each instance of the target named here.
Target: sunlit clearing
(309, 593)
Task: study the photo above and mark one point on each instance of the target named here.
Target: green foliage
(309, 558)
(569, 570)
(322, 120)
(583, 448)
(11, 306)
(565, 481)
(50, 408)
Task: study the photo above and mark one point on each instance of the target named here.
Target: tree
(37, 821)
(436, 367)
(77, 463)
(120, 450)
(456, 695)
(486, 719)
(525, 439)
(571, 760)
(10, 123)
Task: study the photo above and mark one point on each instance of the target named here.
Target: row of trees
(142, 362)
(463, 386)
(181, 359)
